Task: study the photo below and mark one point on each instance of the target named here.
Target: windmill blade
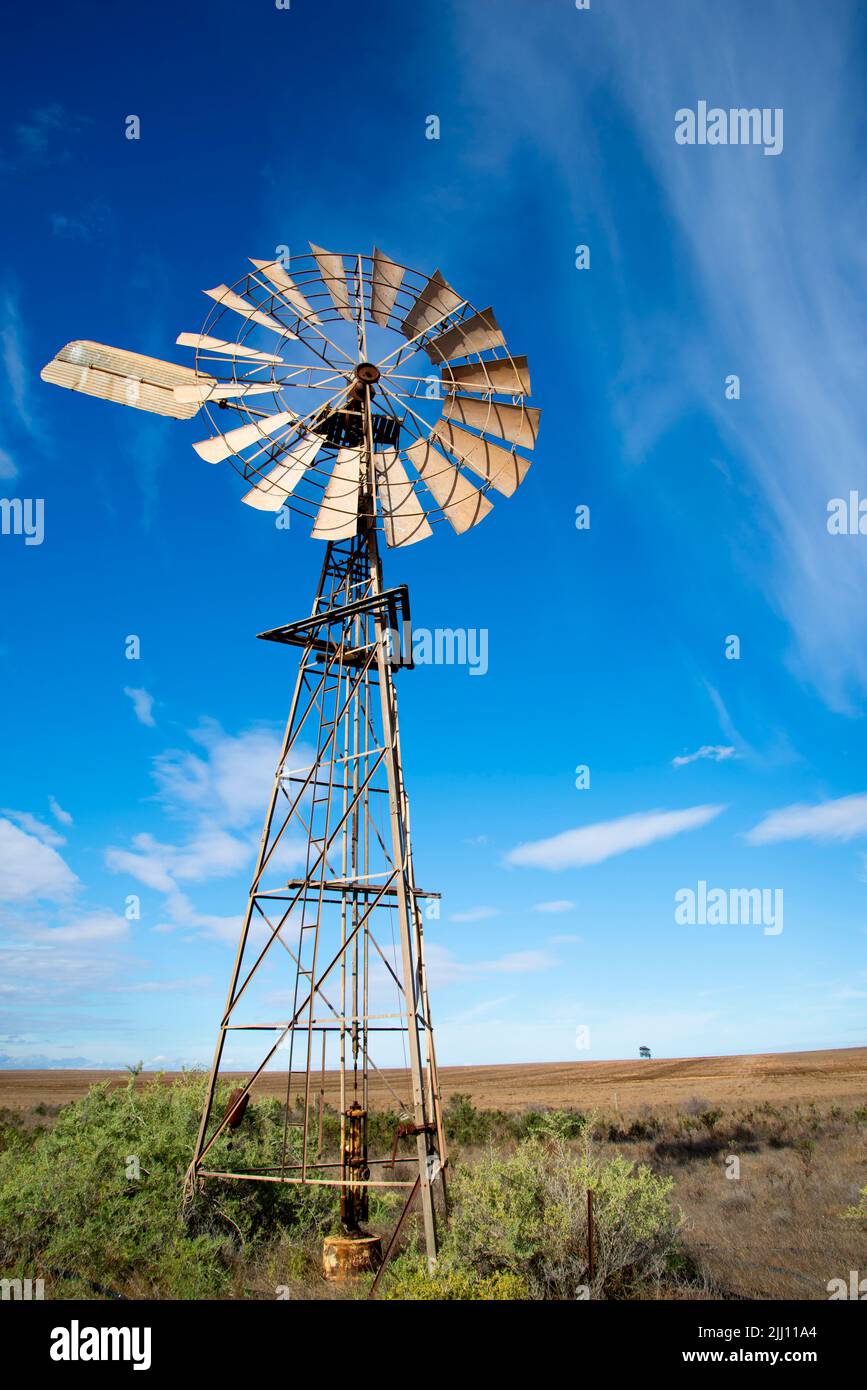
(333, 274)
(202, 343)
(517, 423)
(274, 487)
(273, 271)
(220, 446)
(402, 513)
(510, 376)
(227, 299)
(337, 518)
(433, 303)
(127, 378)
(385, 282)
(475, 334)
(462, 504)
(209, 389)
(504, 469)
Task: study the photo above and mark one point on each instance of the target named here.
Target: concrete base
(344, 1257)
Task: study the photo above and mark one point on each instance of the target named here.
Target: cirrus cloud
(591, 844)
(842, 819)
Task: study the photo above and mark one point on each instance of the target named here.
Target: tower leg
(339, 803)
(411, 958)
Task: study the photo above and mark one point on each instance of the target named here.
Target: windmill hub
(368, 373)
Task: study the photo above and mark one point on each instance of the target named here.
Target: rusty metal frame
(349, 807)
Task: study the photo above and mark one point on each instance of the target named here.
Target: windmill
(373, 400)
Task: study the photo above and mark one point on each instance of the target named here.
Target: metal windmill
(372, 399)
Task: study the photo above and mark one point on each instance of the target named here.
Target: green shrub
(411, 1281)
(70, 1213)
(557, 1124)
(465, 1126)
(523, 1218)
(858, 1212)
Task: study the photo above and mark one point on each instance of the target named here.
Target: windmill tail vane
(373, 400)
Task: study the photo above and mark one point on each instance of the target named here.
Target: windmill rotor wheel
(340, 386)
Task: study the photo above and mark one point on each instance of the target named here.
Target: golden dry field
(777, 1078)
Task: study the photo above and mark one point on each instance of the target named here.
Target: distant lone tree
(644, 1052)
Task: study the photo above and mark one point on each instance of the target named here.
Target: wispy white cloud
(58, 812)
(30, 868)
(842, 819)
(142, 703)
(217, 794)
(445, 969)
(787, 321)
(91, 221)
(558, 905)
(55, 971)
(42, 130)
(45, 135)
(591, 844)
(475, 914)
(34, 826)
(90, 928)
(188, 984)
(477, 1011)
(20, 422)
(713, 752)
(182, 915)
(757, 299)
(13, 356)
(210, 853)
(229, 780)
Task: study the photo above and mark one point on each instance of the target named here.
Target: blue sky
(607, 646)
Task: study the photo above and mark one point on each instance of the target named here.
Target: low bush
(859, 1211)
(96, 1203)
(523, 1219)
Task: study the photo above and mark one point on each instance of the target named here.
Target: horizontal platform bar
(307, 1182)
(301, 633)
(347, 885)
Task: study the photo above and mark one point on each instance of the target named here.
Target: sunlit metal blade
(435, 301)
(207, 389)
(203, 343)
(463, 505)
(127, 378)
(334, 276)
(274, 487)
(475, 334)
(403, 516)
(517, 423)
(227, 299)
(384, 285)
(273, 271)
(220, 446)
(337, 518)
(504, 469)
(510, 376)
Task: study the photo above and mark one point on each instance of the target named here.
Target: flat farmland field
(781, 1078)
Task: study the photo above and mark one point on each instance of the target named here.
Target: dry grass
(777, 1230)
